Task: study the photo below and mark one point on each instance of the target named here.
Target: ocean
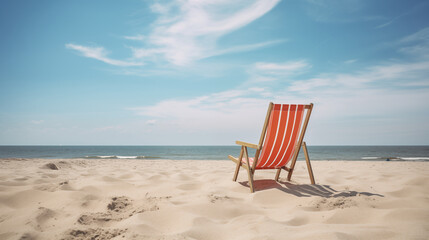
(352, 153)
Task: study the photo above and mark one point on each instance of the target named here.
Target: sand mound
(51, 166)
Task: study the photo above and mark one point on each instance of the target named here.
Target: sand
(142, 199)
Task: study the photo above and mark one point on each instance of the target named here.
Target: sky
(197, 72)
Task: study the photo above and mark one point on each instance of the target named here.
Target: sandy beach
(142, 199)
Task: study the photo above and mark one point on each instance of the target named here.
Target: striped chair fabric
(281, 137)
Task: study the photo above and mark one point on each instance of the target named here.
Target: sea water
(366, 153)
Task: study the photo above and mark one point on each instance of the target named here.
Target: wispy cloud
(350, 61)
(109, 128)
(186, 31)
(391, 76)
(292, 66)
(100, 53)
(421, 35)
(245, 47)
(213, 117)
(411, 10)
(138, 37)
(272, 71)
(338, 11)
(150, 122)
(381, 97)
(416, 44)
(37, 121)
(385, 24)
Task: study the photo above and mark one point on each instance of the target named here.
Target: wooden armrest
(247, 144)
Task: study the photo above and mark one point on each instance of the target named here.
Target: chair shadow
(305, 190)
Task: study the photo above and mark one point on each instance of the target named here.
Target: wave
(121, 157)
(396, 158)
(380, 158)
(415, 158)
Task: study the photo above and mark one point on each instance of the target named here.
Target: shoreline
(352, 153)
(205, 160)
(197, 199)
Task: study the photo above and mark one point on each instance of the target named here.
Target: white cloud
(421, 35)
(100, 53)
(245, 47)
(350, 61)
(384, 24)
(292, 66)
(391, 76)
(37, 121)
(210, 117)
(411, 9)
(160, 8)
(416, 44)
(337, 11)
(370, 106)
(135, 38)
(109, 128)
(151, 122)
(188, 30)
(269, 71)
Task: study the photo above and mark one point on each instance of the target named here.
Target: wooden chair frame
(251, 169)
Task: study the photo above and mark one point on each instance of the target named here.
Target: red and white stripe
(281, 136)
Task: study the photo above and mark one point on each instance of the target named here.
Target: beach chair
(281, 139)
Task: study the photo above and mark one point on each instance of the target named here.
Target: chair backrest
(283, 134)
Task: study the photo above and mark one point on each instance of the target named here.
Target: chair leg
(250, 174)
(278, 174)
(289, 174)
(237, 168)
(249, 169)
(292, 165)
(307, 159)
(236, 171)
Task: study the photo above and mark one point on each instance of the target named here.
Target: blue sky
(203, 72)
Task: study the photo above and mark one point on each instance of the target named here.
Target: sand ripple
(170, 200)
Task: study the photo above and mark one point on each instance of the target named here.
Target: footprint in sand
(45, 219)
(298, 221)
(89, 234)
(27, 236)
(118, 209)
(119, 204)
(327, 204)
(52, 187)
(216, 198)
